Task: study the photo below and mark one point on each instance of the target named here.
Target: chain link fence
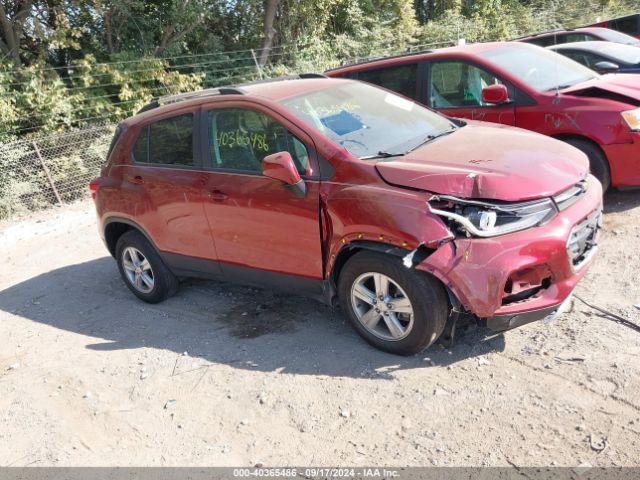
(50, 170)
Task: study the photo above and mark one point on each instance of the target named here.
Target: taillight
(93, 187)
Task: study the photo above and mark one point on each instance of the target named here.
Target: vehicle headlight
(490, 219)
(632, 117)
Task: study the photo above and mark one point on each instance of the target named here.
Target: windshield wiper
(431, 137)
(382, 154)
(560, 87)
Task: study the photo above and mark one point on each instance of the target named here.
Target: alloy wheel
(381, 306)
(137, 269)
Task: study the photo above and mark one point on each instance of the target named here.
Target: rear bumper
(500, 323)
(520, 277)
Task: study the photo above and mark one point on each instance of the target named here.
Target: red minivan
(529, 87)
(337, 189)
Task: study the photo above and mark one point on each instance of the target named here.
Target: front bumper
(480, 271)
(508, 321)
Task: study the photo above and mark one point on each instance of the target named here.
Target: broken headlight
(488, 219)
(632, 118)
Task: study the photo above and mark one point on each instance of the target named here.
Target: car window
(458, 84)
(240, 138)
(402, 79)
(367, 120)
(167, 142)
(585, 58)
(577, 37)
(539, 68)
(621, 53)
(629, 25)
(617, 37)
(545, 41)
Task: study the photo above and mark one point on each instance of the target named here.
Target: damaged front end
(511, 263)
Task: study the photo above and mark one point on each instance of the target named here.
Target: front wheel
(395, 309)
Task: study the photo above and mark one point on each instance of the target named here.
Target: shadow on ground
(222, 323)
(621, 200)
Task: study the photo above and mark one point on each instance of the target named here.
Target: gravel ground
(229, 375)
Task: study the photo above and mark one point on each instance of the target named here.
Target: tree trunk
(271, 7)
(11, 31)
(108, 27)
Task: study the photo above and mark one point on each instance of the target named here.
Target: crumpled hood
(489, 161)
(621, 84)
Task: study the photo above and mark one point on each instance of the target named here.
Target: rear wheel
(142, 269)
(597, 161)
(395, 309)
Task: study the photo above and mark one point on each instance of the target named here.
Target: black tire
(597, 161)
(427, 296)
(165, 284)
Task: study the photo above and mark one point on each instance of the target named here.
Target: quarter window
(458, 84)
(167, 142)
(239, 139)
(401, 79)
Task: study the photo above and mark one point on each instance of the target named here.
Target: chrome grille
(583, 240)
(570, 196)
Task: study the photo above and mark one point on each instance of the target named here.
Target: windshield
(541, 69)
(621, 53)
(368, 121)
(618, 37)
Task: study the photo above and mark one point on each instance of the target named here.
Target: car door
(455, 89)
(263, 232)
(165, 180)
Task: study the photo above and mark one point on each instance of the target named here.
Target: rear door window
(402, 79)
(167, 142)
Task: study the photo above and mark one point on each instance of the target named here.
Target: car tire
(150, 280)
(598, 163)
(427, 300)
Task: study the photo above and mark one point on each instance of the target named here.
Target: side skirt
(186, 266)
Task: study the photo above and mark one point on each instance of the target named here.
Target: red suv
(525, 86)
(337, 189)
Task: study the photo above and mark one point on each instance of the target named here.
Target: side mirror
(606, 67)
(280, 166)
(495, 94)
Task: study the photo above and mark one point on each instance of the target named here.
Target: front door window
(458, 84)
(240, 139)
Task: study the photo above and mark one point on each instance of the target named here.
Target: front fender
(386, 215)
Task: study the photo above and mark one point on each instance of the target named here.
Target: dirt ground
(223, 375)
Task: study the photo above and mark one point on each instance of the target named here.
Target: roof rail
(180, 97)
(375, 59)
(227, 90)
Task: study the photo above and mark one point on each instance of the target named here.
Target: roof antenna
(556, 100)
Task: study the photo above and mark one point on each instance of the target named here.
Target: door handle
(136, 180)
(218, 196)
